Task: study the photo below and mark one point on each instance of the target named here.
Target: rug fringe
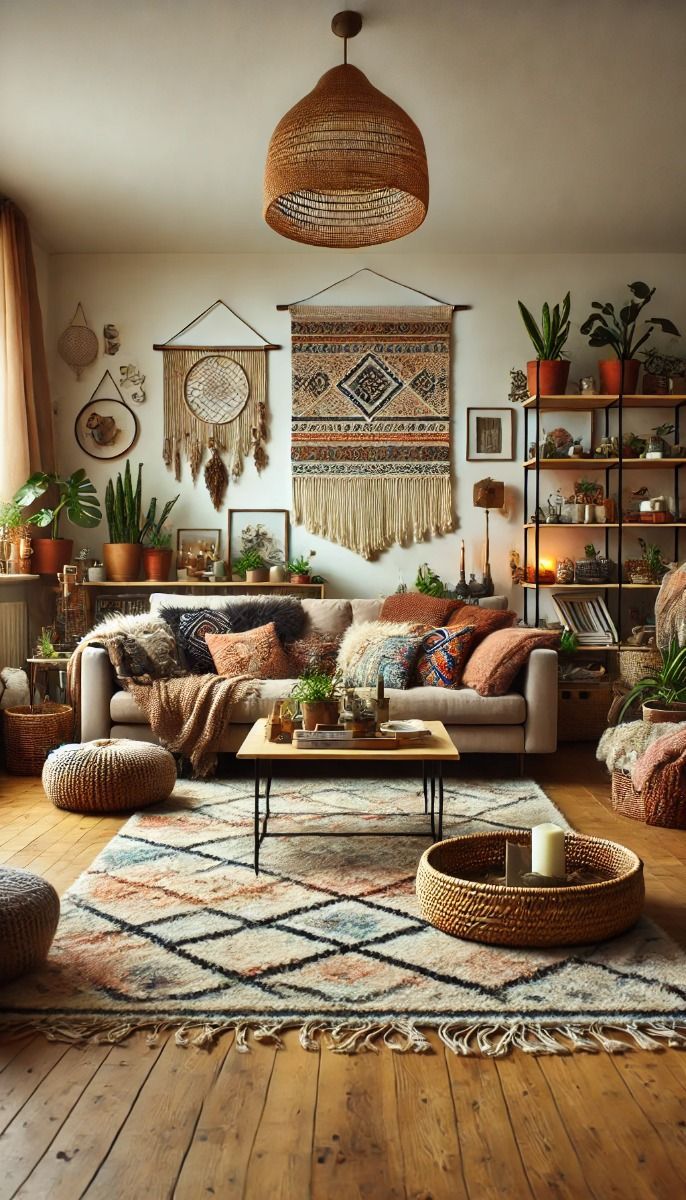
(478, 1039)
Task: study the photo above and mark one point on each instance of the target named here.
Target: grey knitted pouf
(109, 775)
(29, 912)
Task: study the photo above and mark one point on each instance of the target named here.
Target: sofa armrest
(97, 688)
(540, 692)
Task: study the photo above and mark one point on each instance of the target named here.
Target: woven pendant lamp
(346, 166)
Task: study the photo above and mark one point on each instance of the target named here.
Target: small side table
(46, 665)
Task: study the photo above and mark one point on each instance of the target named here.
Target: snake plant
(549, 340)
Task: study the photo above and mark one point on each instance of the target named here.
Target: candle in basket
(548, 850)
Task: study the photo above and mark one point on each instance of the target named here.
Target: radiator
(14, 633)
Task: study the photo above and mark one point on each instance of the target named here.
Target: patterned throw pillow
(415, 606)
(443, 656)
(193, 627)
(394, 658)
(257, 653)
(496, 661)
(247, 612)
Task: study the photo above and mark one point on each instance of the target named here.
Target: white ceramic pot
(600, 514)
(277, 574)
(96, 575)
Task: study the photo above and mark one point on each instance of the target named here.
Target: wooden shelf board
(589, 403)
(172, 584)
(650, 525)
(601, 464)
(590, 587)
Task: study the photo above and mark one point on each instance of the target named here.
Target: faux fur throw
(116, 626)
(660, 776)
(620, 747)
(189, 715)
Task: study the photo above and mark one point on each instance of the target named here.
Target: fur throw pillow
(144, 656)
(250, 612)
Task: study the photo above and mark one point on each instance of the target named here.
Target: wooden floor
(136, 1121)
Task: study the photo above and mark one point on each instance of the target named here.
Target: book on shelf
(586, 615)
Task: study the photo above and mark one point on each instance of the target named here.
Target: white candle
(548, 850)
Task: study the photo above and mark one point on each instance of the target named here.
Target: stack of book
(586, 614)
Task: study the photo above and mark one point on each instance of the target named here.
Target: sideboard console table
(132, 598)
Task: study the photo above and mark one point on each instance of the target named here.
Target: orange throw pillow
(483, 620)
(415, 606)
(256, 652)
(499, 657)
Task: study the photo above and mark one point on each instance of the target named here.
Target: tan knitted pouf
(109, 775)
(29, 912)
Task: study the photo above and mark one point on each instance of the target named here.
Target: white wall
(150, 297)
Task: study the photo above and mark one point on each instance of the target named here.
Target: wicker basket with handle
(32, 732)
(529, 916)
(636, 663)
(624, 797)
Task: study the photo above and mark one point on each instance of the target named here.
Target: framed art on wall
(195, 548)
(490, 435)
(261, 529)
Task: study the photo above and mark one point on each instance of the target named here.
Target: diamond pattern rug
(170, 928)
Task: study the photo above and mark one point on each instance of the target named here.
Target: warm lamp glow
(546, 564)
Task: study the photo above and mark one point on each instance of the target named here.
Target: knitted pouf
(109, 775)
(29, 912)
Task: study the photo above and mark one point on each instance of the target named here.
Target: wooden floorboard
(140, 1120)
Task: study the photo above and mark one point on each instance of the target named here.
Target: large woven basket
(624, 797)
(526, 916)
(31, 733)
(637, 663)
(582, 711)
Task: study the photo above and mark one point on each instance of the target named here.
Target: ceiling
(142, 126)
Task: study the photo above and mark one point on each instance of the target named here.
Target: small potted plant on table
(156, 540)
(605, 327)
(663, 694)
(76, 497)
(251, 567)
(317, 694)
(299, 569)
(548, 342)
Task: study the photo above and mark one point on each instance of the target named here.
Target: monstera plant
(76, 498)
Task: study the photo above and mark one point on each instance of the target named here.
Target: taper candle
(462, 557)
(548, 850)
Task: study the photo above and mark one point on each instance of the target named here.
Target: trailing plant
(123, 507)
(429, 583)
(249, 560)
(549, 340)
(667, 685)
(665, 366)
(569, 642)
(75, 495)
(653, 559)
(605, 327)
(314, 685)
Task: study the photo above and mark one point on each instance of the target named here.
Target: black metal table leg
(424, 787)
(268, 789)
(440, 801)
(256, 829)
(433, 804)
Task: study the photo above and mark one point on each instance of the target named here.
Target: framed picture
(195, 548)
(262, 529)
(106, 428)
(490, 435)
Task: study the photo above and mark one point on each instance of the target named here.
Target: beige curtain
(27, 442)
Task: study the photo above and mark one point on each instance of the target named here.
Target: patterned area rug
(171, 928)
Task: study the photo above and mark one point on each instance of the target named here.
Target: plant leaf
(641, 290)
(532, 329)
(665, 324)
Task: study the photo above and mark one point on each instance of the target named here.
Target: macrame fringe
(486, 1040)
(370, 514)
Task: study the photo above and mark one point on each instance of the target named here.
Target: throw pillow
(394, 659)
(414, 606)
(443, 656)
(483, 620)
(358, 637)
(496, 661)
(257, 653)
(144, 656)
(193, 628)
(249, 612)
(314, 650)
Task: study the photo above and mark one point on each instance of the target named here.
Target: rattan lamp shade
(346, 166)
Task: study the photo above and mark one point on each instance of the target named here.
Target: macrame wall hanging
(371, 422)
(215, 398)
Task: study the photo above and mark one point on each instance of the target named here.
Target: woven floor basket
(624, 797)
(31, 733)
(109, 775)
(637, 664)
(29, 912)
(523, 916)
(582, 711)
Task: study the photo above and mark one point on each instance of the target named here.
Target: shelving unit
(613, 469)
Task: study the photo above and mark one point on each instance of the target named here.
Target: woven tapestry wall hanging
(215, 398)
(371, 423)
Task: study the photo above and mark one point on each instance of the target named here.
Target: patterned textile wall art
(371, 423)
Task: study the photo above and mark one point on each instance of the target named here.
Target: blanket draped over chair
(187, 713)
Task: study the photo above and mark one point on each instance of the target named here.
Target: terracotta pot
(299, 578)
(122, 561)
(654, 712)
(319, 712)
(50, 555)
(553, 376)
(157, 562)
(610, 371)
(257, 575)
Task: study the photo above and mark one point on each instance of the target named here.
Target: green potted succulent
(76, 497)
(618, 331)
(317, 694)
(663, 694)
(250, 565)
(549, 369)
(299, 569)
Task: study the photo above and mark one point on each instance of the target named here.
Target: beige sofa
(522, 722)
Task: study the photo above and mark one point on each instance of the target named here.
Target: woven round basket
(31, 733)
(109, 775)
(639, 663)
(29, 912)
(526, 916)
(78, 345)
(624, 797)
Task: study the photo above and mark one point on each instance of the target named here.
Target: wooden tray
(330, 740)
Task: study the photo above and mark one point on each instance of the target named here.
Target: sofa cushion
(415, 606)
(484, 620)
(443, 656)
(125, 711)
(498, 658)
(457, 706)
(367, 609)
(257, 653)
(329, 617)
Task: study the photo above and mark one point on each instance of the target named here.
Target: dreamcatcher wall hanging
(215, 398)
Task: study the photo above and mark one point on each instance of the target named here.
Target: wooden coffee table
(438, 750)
